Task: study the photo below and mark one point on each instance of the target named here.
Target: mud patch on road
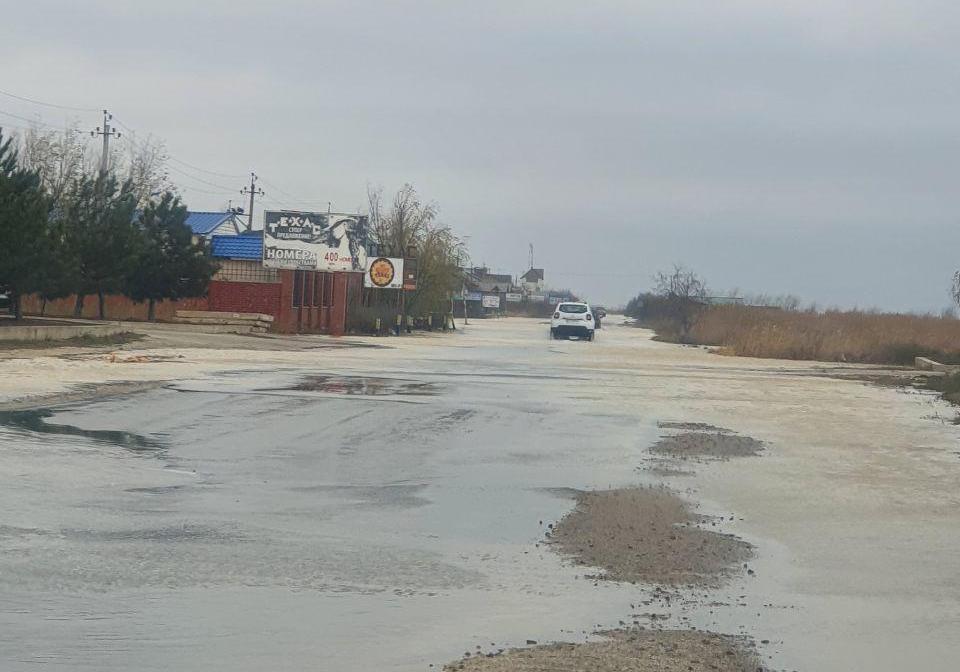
(648, 535)
(364, 386)
(624, 651)
(717, 445)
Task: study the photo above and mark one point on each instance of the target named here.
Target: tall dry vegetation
(836, 336)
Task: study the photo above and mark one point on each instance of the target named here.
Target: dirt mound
(691, 426)
(720, 445)
(648, 535)
(625, 651)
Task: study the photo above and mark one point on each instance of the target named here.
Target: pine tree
(170, 265)
(101, 232)
(23, 227)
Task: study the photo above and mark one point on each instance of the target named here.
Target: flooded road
(384, 508)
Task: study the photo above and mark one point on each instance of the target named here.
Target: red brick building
(299, 301)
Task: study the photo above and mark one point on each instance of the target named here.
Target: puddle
(374, 496)
(364, 386)
(158, 490)
(36, 421)
(172, 534)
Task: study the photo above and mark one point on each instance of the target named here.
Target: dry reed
(836, 336)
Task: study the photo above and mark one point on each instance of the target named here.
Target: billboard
(554, 300)
(384, 273)
(513, 297)
(473, 296)
(315, 241)
(491, 301)
(537, 298)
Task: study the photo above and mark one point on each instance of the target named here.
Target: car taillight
(589, 316)
(556, 316)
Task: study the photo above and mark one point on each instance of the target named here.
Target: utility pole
(252, 190)
(106, 131)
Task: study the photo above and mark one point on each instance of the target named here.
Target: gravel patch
(624, 651)
(717, 445)
(648, 535)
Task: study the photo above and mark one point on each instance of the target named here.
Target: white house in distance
(209, 224)
(532, 281)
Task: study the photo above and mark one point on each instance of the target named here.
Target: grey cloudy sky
(807, 147)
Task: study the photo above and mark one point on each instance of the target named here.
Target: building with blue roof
(209, 224)
(248, 247)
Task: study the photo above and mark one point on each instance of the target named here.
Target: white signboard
(315, 241)
(514, 298)
(536, 298)
(384, 273)
(490, 301)
(554, 300)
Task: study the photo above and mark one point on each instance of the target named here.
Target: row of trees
(68, 230)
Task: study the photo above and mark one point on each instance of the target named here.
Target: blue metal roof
(237, 247)
(203, 223)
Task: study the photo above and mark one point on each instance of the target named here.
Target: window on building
(308, 287)
(298, 277)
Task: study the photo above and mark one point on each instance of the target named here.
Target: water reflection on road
(282, 524)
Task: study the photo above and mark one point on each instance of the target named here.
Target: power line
(26, 119)
(40, 102)
(209, 172)
(132, 136)
(284, 192)
(232, 176)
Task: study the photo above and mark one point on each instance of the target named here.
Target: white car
(572, 319)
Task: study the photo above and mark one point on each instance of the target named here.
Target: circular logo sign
(381, 272)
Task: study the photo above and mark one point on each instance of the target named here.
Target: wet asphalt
(302, 518)
(384, 508)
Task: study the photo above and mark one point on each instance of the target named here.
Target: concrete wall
(57, 332)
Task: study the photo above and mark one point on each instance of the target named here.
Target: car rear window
(572, 308)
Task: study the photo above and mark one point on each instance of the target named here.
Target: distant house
(485, 281)
(206, 225)
(532, 281)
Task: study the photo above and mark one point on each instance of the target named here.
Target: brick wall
(245, 297)
(117, 307)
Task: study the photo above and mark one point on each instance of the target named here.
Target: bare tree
(146, 168)
(409, 227)
(59, 158)
(684, 295)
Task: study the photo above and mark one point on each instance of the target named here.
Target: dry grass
(835, 336)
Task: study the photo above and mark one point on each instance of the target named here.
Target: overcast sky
(809, 147)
